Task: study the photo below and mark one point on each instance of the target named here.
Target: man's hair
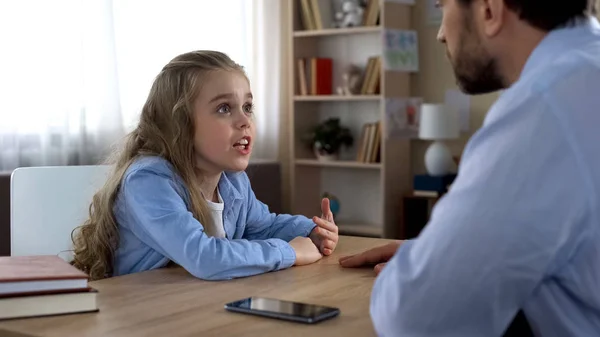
(549, 14)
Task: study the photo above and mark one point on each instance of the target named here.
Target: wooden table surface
(171, 302)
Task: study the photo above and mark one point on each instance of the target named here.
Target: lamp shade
(438, 122)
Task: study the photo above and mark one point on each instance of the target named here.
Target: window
(150, 33)
(74, 74)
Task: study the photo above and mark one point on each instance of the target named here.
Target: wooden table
(171, 302)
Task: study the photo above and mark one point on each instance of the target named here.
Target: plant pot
(326, 156)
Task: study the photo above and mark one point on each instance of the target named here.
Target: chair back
(47, 203)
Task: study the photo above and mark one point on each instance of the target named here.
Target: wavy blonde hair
(165, 129)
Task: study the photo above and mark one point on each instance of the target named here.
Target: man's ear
(490, 16)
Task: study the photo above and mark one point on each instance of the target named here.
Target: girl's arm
(262, 224)
(156, 213)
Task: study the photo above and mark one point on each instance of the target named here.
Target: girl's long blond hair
(165, 129)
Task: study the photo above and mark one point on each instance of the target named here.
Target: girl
(179, 192)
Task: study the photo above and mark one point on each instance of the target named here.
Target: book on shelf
(321, 72)
(372, 76)
(315, 76)
(371, 13)
(320, 14)
(43, 285)
(307, 16)
(302, 77)
(323, 13)
(316, 14)
(369, 144)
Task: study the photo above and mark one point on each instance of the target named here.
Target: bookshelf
(369, 192)
(338, 163)
(337, 31)
(323, 98)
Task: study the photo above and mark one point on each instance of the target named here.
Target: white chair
(47, 203)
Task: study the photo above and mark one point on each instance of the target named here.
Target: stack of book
(33, 286)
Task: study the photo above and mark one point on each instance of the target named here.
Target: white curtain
(266, 76)
(151, 32)
(59, 96)
(75, 74)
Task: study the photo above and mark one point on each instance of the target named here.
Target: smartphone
(285, 310)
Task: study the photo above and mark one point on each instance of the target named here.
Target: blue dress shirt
(520, 227)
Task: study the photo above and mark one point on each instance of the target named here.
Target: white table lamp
(438, 123)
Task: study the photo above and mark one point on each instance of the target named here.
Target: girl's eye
(248, 108)
(223, 109)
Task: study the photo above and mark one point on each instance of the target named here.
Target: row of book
(320, 14)
(371, 82)
(32, 286)
(372, 13)
(315, 76)
(369, 144)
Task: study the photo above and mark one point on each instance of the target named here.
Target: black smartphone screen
(295, 311)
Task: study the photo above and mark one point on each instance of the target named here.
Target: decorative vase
(324, 156)
(438, 159)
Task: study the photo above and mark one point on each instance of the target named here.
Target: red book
(321, 76)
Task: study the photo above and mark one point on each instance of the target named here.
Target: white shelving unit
(369, 193)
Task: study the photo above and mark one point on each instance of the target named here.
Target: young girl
(179, 192)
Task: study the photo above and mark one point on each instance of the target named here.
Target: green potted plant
(327, 138)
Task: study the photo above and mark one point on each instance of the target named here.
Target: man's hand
(376, 256)
(325, 235)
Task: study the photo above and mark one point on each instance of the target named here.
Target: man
(520, 227)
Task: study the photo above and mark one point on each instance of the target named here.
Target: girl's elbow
(207, 274)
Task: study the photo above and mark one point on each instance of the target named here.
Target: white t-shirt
(216, 211)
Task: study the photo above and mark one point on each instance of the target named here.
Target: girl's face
(223, 118)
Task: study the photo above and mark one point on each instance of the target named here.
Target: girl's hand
(325, 235)
(306, 252)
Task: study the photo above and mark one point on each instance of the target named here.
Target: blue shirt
(520, 227)
(156, 227)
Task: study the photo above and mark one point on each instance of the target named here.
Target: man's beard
(476, 71)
